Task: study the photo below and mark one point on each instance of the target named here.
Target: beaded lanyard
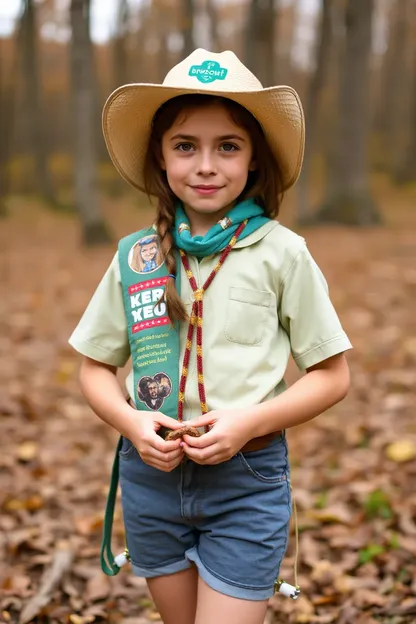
(197, 319)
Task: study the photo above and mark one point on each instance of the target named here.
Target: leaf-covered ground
(353, 469)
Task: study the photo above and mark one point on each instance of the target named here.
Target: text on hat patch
(208, 71)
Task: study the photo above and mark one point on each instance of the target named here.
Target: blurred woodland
(353, 63)
(62, 209)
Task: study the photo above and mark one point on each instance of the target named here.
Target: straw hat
(129, 110)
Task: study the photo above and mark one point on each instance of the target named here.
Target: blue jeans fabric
(231, 519)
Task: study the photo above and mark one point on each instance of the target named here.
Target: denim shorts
(231, 520)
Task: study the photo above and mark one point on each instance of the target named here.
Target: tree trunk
(115, 186)
(286, 40)
(213, 25)
(394, 89)
(404, 166)
(311, 113)
(120, 56)
(7, 101)
(33, 110)
(260, 50)
(348, 197)
(85, 151)
(188, 27)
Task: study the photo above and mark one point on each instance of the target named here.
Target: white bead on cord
(289, 590)
(121, 559)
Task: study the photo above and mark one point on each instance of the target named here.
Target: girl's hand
(153, 449)
(229, 431)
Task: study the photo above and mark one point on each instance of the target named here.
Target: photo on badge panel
(153, 390)
(145, 256)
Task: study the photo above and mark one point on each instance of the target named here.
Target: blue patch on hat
(208, 71)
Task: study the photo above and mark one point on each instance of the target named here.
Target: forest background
(62, 209)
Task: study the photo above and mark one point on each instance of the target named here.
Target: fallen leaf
(97, 588)
(78, 619)
(89, 524)
(334, 513)
(304, 609)
(344, 584)
(365, 598)
(408, 543)
(17, 584)
(324, 600)
(323, 572)
(27, 451)
(406, 522)
(65, 371)
(31, 503)
(401, 451)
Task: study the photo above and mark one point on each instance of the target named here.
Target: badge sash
(154, 342)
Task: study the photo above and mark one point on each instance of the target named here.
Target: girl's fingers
(168, 451)
(202, 421)
(202, 456)
(162, 466)
(166, 421)
(161, 445)
(154, 454)
(208, 439)
(218, 458)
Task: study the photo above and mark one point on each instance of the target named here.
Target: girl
(207, 516)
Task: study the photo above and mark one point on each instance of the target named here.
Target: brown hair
(264, 184)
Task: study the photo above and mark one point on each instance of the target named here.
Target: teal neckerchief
(220, 234)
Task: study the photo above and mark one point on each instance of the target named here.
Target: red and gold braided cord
(196, 319)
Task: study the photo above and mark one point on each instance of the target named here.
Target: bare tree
(404, 123)
(348, 198)
(260, 40)
(7, 101)
(85, 151)
(213, 25)
(312, 104)
(405, 170)
(36, 123)
(119, 44)
(393, 96)
(188, 26)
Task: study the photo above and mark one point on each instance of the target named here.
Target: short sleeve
(101, 334)
(307, 314)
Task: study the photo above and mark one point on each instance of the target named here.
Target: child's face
(207, 158)
(149, 251)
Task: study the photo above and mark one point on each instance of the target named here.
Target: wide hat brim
(129, 111)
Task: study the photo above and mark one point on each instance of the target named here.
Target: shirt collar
(257, 235)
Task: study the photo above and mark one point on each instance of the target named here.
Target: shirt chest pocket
(246, 315)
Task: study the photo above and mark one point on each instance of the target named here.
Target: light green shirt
(269, 300)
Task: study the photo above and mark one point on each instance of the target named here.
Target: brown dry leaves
(353, 469)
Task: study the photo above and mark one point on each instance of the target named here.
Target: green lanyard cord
(108, 564)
